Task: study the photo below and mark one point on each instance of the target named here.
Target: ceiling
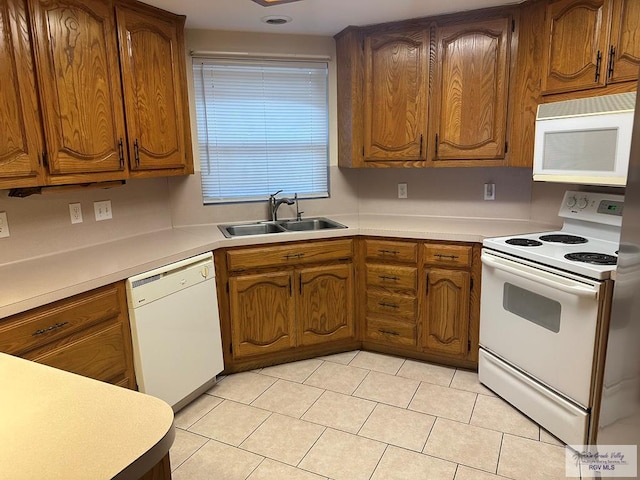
(311, 17)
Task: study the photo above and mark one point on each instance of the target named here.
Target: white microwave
(585, 141)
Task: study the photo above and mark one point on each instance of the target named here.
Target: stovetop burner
(523, 242)
(593, 258)
(563, 238)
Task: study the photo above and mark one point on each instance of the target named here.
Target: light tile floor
(359, 416)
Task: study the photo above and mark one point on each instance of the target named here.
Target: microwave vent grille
(621, 102)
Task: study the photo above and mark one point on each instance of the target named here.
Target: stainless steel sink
(309, 224)
(262, 228)
(250, 229)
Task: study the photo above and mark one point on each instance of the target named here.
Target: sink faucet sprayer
(274, 204)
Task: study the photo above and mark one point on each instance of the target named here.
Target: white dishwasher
(176, 330)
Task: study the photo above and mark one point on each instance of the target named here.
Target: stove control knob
(583, 202)
(571, 201)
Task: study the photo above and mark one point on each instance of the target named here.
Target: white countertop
(58, 425)
(34, 282)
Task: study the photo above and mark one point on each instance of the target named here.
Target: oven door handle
(541, 277)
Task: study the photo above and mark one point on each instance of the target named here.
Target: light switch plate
(402, 190)
(489, 191)
(4, 225)
(102, 210)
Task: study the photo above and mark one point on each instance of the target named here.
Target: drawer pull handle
(388, 252)
(385, 277)
(388, 305)
(48, 329)
(289, 256)
(451, 257)
(388, 332)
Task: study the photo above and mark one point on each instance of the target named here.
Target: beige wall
(41, 225)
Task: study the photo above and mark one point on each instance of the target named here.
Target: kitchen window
(262, 127)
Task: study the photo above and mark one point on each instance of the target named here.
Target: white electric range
(543, 304)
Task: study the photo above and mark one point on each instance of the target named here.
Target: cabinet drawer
(447, 255)
(391, 306)
(100, 356)
(391, 332)
(26, 331)
(295, 254)
(391, 251)
(393, 278)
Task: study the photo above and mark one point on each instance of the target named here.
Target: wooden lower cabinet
(263, 310)
(293, 299)
(390, 292)
(87, 334)
(423, 303)
(286, 302)
(325, 304)
(446, 320)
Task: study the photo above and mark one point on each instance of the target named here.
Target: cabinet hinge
(506, 147)
(45, 159)
(231, 348)
(471, 284)
(362, 151)
(227, 287)
(513, 25)
(468, 345)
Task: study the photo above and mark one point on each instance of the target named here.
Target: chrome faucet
(274, 204)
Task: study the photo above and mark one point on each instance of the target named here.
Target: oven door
(540, 321)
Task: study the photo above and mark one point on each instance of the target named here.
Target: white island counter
(58, 425)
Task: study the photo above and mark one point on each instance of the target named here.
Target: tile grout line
(473, 409)
(379, 460)
(188, 457)
(309, 449)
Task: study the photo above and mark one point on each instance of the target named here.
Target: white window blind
(262, 127)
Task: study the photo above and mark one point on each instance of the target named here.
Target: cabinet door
(396, 88)
(446, 322)
(470, 93)
(79, 83)
(152, 68)
(21, 138)
(325, 306)
(262, 313)
(576, 32)
(624, 48)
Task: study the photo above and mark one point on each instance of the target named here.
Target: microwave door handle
(540, 277)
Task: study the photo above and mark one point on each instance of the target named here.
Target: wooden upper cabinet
(469, 100)
(152, 62)
(577, 44)
(77, 65)
(395, 96)
(624, 45)
(591, 43)
(21, 137)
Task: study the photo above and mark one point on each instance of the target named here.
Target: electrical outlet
(102, 210)
(75, 211)
(489, 191)
(402, 190)
(4, 225)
